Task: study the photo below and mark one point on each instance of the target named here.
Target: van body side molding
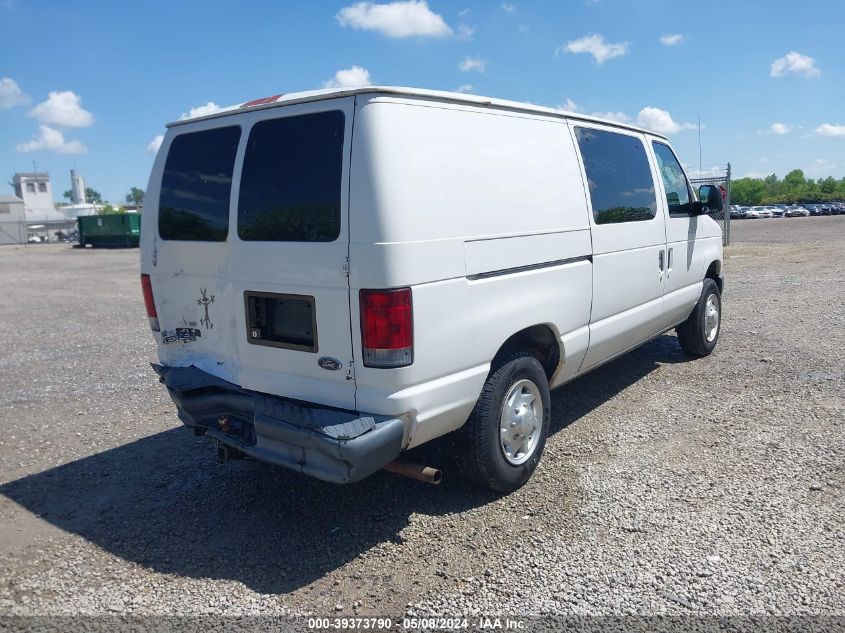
(522, 269)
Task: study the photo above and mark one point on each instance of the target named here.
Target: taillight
(149, 302)
(387, 327)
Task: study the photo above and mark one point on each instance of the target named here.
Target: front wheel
(700, 332)
(506, 432)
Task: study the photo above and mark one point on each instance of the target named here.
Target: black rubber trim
(330, 444)
(522, 269)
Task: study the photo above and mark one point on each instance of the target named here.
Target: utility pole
(699, 143)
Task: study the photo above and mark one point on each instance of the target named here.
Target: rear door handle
(669, 263)
(660, 261)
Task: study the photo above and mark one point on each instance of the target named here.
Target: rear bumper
(329, 444)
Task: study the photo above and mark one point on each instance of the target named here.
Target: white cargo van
(334, 277)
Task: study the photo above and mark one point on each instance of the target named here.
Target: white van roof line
(440, 95)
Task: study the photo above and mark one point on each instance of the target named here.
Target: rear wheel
(506, 432)
(700, 332)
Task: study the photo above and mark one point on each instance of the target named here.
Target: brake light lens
(149, 302)
(387, 327)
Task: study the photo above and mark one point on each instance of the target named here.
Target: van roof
(439, 95)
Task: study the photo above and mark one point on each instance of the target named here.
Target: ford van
(335, 277)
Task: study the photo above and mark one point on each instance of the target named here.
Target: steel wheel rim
(520, 422)
(711, 318)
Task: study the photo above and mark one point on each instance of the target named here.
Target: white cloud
(619, 117)
(203, 110)
(819, 167)
(465, 32)
(353, 77)
(671, 39)
(796, 63)
(11, 94)
(52, 140)
(508, 7)
(826, 129)
(466, 88)
(653, 119)
(778, 129)
(152, 148)
(660, 121)
(595, 45)
(63, 109)
(569, 106)
(476, 63)
(404, 18)
(463, 12)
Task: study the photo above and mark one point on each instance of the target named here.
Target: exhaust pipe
(415, 471)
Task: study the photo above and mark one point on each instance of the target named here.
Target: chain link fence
(721, 177)
(23, 232)
(13, 233)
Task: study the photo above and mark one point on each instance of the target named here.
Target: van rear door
(259, 297)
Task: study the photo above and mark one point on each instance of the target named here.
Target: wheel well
(539, 340)
(713, 273)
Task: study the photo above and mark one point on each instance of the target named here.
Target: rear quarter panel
(442, 195)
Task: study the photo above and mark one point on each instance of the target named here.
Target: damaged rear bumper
(329, 444)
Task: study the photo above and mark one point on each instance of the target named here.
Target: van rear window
(197, 183)
(291, 179)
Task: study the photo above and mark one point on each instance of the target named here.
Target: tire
(697, 335)
(483, 456)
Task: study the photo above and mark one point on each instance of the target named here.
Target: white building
(12, 220)
(35, 190)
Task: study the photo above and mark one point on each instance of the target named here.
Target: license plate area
(281, 320)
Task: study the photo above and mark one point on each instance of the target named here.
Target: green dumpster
(119, 229)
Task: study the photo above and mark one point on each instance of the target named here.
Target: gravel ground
(669, 486)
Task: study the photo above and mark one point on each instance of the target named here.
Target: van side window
(674, 181)
(197, 182)
(618, 176)
(291, 180)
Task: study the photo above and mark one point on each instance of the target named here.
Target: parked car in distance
(751, 213)
(796, 211)
(319, 305)
(776, 210)
(763, 212)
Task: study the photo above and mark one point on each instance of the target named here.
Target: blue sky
(90, 84)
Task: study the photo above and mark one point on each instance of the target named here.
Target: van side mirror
(709, 200)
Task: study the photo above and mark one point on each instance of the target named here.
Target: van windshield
(291, 180)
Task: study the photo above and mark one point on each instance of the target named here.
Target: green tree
(747, 191)
(135, 196)
(69, 195)
(110, 210)
(93, 196)
(794, 180)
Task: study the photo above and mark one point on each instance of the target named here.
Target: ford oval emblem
(327, 362)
